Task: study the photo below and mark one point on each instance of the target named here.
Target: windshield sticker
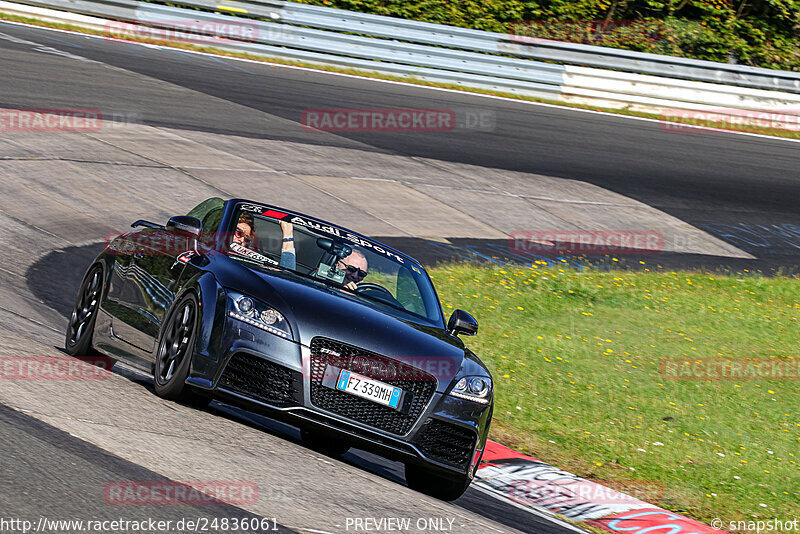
(251, 254)
(274, 214)
(325, 229)
(347, 236)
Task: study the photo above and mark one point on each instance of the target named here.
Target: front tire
(78, 341)
(175, 350)
(446, 488)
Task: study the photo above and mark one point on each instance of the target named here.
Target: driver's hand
(351, 286)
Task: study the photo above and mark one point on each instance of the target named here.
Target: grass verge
(701, 124)
(578, 361)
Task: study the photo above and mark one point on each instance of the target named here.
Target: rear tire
(78, 340)
(446, 488)
(324, 443)
(175, 351)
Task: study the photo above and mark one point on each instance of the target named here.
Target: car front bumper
(265, 373)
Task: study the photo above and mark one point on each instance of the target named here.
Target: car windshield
(337, 257)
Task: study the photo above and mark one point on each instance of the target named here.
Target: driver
(355, 269)
(354, 266)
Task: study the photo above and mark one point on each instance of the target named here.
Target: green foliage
(763, 33)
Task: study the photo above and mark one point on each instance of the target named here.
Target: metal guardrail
(497, 43)
(457, 49)
(465, 57)
(302, 43)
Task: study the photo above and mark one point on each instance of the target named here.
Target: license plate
(374, 390)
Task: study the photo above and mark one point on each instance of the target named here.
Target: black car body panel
(148, 269)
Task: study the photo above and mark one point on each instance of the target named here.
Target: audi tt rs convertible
(300, 319)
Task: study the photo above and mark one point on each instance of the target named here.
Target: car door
(152, 280)
(126, 297)
(147, 282)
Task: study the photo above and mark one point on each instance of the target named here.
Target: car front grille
(418, 385)
(262, 380)
(447, 443)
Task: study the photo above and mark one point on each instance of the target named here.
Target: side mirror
(184, 224)
(462, 323)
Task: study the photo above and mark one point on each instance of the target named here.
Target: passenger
(244, 234)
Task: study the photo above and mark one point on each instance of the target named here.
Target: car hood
(314, 309)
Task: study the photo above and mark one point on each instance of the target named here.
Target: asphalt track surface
(707, 179)
(702, 178)
(46, 471)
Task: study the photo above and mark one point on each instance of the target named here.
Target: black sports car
(288, 315)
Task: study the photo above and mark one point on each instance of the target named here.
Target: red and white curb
(542, 489)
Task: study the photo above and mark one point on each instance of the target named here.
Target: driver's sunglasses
(240, 233)
(355, 272)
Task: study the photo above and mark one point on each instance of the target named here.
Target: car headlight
(474, 388)
(257, 314)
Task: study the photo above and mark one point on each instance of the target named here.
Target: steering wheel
(362, 287)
